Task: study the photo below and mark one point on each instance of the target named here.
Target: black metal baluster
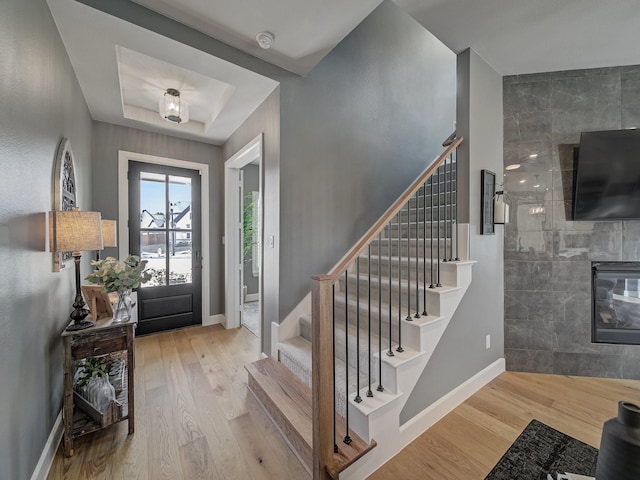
(333, 357)
(445, 211)
(424, 248)
(358, 398)
(399, 349)
(389, 242)
(450, 207)
(408, 318)
(380, 387)
(347, 438)
(431, 218)
(417, 315)
(457, 225)
(438, 253)
(369, 392)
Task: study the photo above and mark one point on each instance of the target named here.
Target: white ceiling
(122, 67)
(513, 36)
(530, 36)
(305, 30)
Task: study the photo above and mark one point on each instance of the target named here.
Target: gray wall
(250, 183)
(266, 120)
(108, 139)
(461, 352)
(548, 256)
(355, 133)
(42, 103)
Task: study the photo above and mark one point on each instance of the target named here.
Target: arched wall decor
(64, 192)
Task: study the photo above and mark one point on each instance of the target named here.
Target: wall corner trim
(41, 471)
(213, 320)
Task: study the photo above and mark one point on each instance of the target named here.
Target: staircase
(377, 318)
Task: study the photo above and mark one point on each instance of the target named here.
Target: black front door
(165, 229)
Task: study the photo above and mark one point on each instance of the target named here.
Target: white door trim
(233, 295)
(123, 215)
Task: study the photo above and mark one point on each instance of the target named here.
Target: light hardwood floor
(195, 419)
(467, 443)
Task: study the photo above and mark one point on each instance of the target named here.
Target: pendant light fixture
(173, 108)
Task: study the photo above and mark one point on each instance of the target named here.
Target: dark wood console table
(105, 338)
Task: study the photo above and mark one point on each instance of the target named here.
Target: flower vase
(122, 306)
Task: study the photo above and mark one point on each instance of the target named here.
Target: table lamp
(109, 235)
(75, 231)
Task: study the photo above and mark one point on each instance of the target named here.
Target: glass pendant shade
(173, 108)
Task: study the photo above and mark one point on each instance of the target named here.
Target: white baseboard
(422, 422)
(290, 326)
(441, 407)
(213, 320)
(49, 452)
(252, 297)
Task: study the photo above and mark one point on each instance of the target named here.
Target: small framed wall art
(487, 191)
(64, 192)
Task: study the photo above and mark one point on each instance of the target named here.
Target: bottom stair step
(288, 401)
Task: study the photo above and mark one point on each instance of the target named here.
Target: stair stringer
(379, 417)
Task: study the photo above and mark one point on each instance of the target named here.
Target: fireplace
(615, 296)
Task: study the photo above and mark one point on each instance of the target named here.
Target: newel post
(322, 377)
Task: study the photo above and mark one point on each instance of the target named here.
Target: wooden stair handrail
(450, 139)
(352, 254)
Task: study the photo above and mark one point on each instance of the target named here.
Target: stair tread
(347, 454)
(299, 349)
(287, 392)
(288, 401)
(293, 399)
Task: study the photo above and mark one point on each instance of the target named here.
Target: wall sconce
(75, 231)
(501, 208)
(109, 235)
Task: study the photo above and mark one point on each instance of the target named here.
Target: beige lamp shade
(74, 231)
(109, 233)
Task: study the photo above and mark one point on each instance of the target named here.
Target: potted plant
(121, 276)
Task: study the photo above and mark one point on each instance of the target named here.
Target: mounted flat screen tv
(607, 177)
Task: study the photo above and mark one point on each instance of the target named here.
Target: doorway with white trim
(243, 237)
(201, 262)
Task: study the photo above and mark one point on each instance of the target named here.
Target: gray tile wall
(547, 256)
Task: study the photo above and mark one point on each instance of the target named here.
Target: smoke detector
(265, 40)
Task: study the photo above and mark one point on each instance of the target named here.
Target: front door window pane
(180, 264)
(153, 247)
(152, 200)
(180, 202)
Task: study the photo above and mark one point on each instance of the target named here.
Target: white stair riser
(403, 268)
(383, 315)
(415, 248)
(405, 229)
(413, 298)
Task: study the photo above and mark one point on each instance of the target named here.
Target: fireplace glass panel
(616, 302)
